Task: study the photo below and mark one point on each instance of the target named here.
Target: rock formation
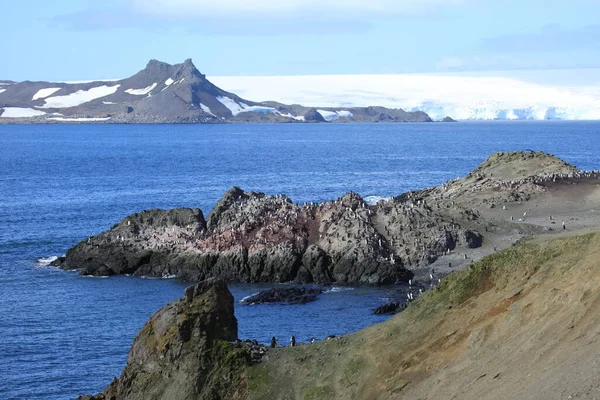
(252, 237)
(290, 295)
(185, 351)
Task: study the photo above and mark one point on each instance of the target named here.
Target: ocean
(62, 335)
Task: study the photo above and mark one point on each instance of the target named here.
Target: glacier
(459, 96)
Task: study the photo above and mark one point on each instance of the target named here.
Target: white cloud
(195, 8)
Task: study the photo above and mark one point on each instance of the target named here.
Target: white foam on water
(45, 261)
(43, 93)
(336, 289)
(247, 297)
(372, 200)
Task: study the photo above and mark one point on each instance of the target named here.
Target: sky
(91, 39)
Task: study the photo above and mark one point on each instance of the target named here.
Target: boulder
(290, 295)
(185, 351)
(389, 308)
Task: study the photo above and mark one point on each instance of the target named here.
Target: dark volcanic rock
(185, 351)
(389, 308)
(252, 237)
(291, 295)
(448, 119)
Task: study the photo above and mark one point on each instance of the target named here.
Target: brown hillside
(520, 324)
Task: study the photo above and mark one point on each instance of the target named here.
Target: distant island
(165, 93)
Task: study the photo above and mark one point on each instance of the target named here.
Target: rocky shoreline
(468, 328)
(252, 237)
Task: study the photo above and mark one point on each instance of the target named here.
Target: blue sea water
(62, 335)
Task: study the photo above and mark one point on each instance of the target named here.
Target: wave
(247, 297)
(45, 261)
(336, 289)
(372, 200)
(165, 276)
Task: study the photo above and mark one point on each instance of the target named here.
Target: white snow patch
(260, 109)
(43, 93)
(237, 108)
(169, 82)
(459, 96)
(289, 115)
(231, 104)
(333, 115)
(79, 119)
(2, 90)
(17, 112)
(328, 115)
(108, 102)
(206, 109)
(80, 97)
(142, 92)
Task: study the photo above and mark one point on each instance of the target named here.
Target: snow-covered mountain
(164, 93)
(460, 97)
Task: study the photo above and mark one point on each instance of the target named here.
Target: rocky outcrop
(390, 308)
(505, 177)
(187, 350)
(252, 237)
(290, 295)
(448, 119)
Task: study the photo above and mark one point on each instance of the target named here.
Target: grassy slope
(505, 327)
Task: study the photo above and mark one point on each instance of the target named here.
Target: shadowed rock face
(184, 350)
(251, 237)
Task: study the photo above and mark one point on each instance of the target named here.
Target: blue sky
(91, 39)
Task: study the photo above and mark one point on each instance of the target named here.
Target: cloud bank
(195, 8)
